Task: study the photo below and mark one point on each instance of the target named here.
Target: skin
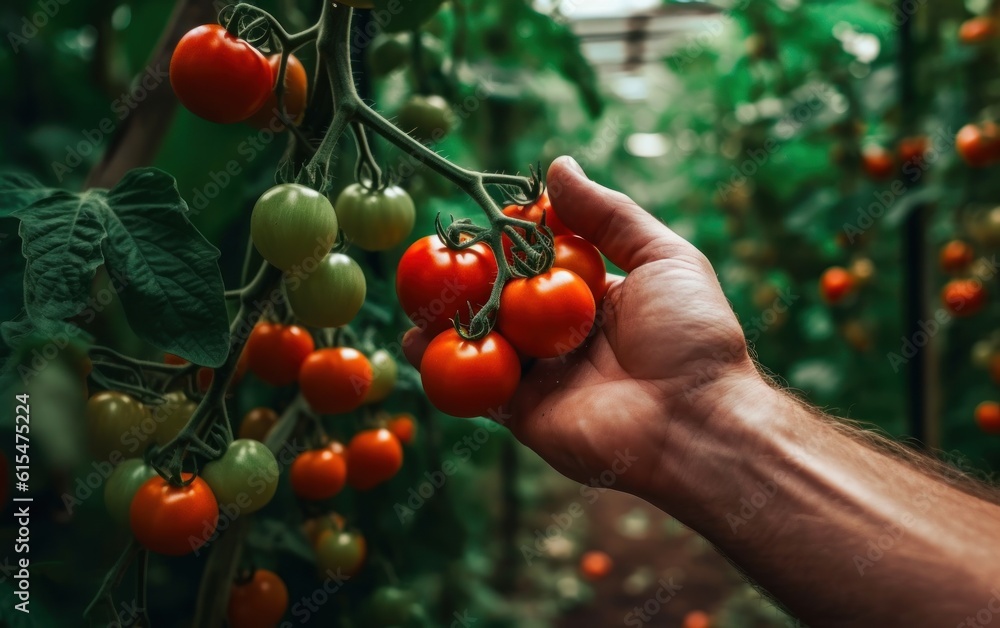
(842, 526)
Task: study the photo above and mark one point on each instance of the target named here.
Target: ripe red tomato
(956, 256)
(534, 212)
(373, 457)
(547, 315)
(878, 162)
(469, 378)
(260, 602)
(296, 93)
(595, 565)
(319, 474)
(913, 149)
(963, 297)
(576, 254)
(335, 380)
(173, 520)
(988, 417)
(977, 30)
(403, 427)
(257, 423)
(219, 77)
(697, 619)
(978, 144)
(275, 353)
(836, 284)
(434, 282)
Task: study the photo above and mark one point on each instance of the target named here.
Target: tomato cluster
(881, 163)
(543, 316)
(224, 79)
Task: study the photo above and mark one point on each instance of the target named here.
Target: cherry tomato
(977, 30)
(315, 527)
(330, 295)
(171, 416)
(245, 478)
(259, 603)
(434, 282)
(978, 144)
(388, 607)
(547, 315)
(576, 254)
(375, 220)
(110, 417)
(534, 212)
(173, 520)
(836, 284)
(403, 427)
(219, 77)
(595, 565)
(373, 457)
(294, 98)
(963, 297)
(319, 474)
(469, 378)
(427, 118)
(293, 226)
(385, 371)
(275, 353)
(340, 553)
(988, 417)
(122, 485)
(956, 256)
(257, 423)
(697, 619)
(913, 149)
(878, 162)
(335, 381)
(389, 53)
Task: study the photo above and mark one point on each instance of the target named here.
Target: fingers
(626, 233)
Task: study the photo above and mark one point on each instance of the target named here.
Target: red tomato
(956, 256)
(534, 213)
(878, 162)
(173, 520)
(913, 149)
(296, 93)
(963, 297)
(403, 427)
(275, 353)
(836, 284)
(373, 457)
(548, 315)
(319, 474)
(219, 77)
(434, 282)
(335, 380)
(697, 619)
(259, 603)
(468, 378)
(595, 565)
(977, 30)
(576, 254)
(978, 145)
(988, 417)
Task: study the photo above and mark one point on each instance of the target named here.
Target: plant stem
(115, 574)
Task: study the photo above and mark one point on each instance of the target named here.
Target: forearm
(822, 520)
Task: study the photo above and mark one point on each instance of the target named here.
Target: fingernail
(573, 165)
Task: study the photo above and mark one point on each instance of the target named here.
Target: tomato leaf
(404, 15)
(166, 272)
(17, 191)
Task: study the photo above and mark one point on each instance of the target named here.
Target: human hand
(665, 347)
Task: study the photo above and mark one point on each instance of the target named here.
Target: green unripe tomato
(389, 53)
(375, 221)
(110, 415)
(121, 486)
(331, 295)
(427, 118)
(384, 374)
(171, 416)
(291, 224)
(389, 606)
(340, 552)
(246, 476)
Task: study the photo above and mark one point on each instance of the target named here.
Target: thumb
(627, 234)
